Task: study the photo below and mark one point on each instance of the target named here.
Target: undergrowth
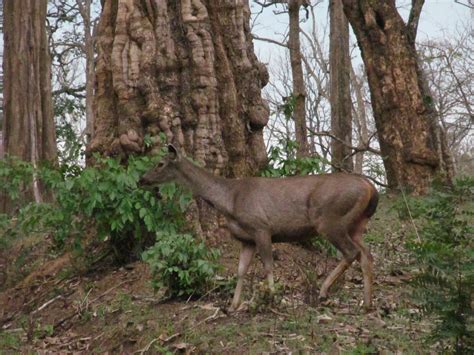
(104, 205)
(181, 265)
(443, 249)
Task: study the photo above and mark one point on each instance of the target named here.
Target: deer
(261, 211)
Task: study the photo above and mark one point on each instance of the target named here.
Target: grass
(9, 341)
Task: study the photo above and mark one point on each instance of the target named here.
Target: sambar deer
(261, 211)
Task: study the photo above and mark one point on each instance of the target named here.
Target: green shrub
(104, 198)
(104, 203)
(14, 175)
(180, 264)
(283, 162)
(444, 254)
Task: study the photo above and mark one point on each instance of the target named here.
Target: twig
(410, 215)
(269, 40)
(171, 337)
(189, 298)
(65, 319)
(279, 313)
(109, 290)
(44, 305)
(146, 348)
(16, 330)
(366, 148)
(5, 320)
(213, 316)
(148, 299)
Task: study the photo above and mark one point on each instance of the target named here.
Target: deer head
(164, 171)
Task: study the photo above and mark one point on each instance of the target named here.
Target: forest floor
(47, 308)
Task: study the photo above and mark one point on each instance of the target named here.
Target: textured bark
(28, 128)
(85, 11)
(186, 69)
(341, 103)
(360, 120)
(445, 157)
(405, 126)
(299, 91)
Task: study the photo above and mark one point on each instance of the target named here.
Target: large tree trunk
(341, 103)
(186, 69)
(402, 113)
(28, 128)
(299, 91)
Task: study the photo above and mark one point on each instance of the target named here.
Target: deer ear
(173, 152)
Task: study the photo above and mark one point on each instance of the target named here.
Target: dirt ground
(47, 308)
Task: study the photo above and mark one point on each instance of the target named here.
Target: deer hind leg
(263, 241)
(350, 251)
(332, 277)
(366, 262)
(246, 255)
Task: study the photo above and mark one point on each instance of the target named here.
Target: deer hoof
(324, 300)
(239, 308)
(233, 307)
(368, 308)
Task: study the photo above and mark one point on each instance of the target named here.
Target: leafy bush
(444, 253)
(104, 202)
(180, 264)
(14, 174)
(104, 197)
(283, 162)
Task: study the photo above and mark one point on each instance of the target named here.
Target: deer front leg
(246, 255)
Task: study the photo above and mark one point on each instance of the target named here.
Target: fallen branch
(46, 304)
(164, 341)
(109, 290)
(146, 348)
(214, 316)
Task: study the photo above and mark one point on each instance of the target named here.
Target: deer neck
(213, 189)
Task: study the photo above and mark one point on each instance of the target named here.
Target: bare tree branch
(269, 40)
(76, 92)
(414, 19)
(362, 148)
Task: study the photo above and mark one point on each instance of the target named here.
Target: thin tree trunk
(85, 11)
(28, 129)
(408, 141)
(361, 121)
(299, 91)
(341, 104)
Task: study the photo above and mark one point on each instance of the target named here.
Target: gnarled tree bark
(406, 131)
(186, 69)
